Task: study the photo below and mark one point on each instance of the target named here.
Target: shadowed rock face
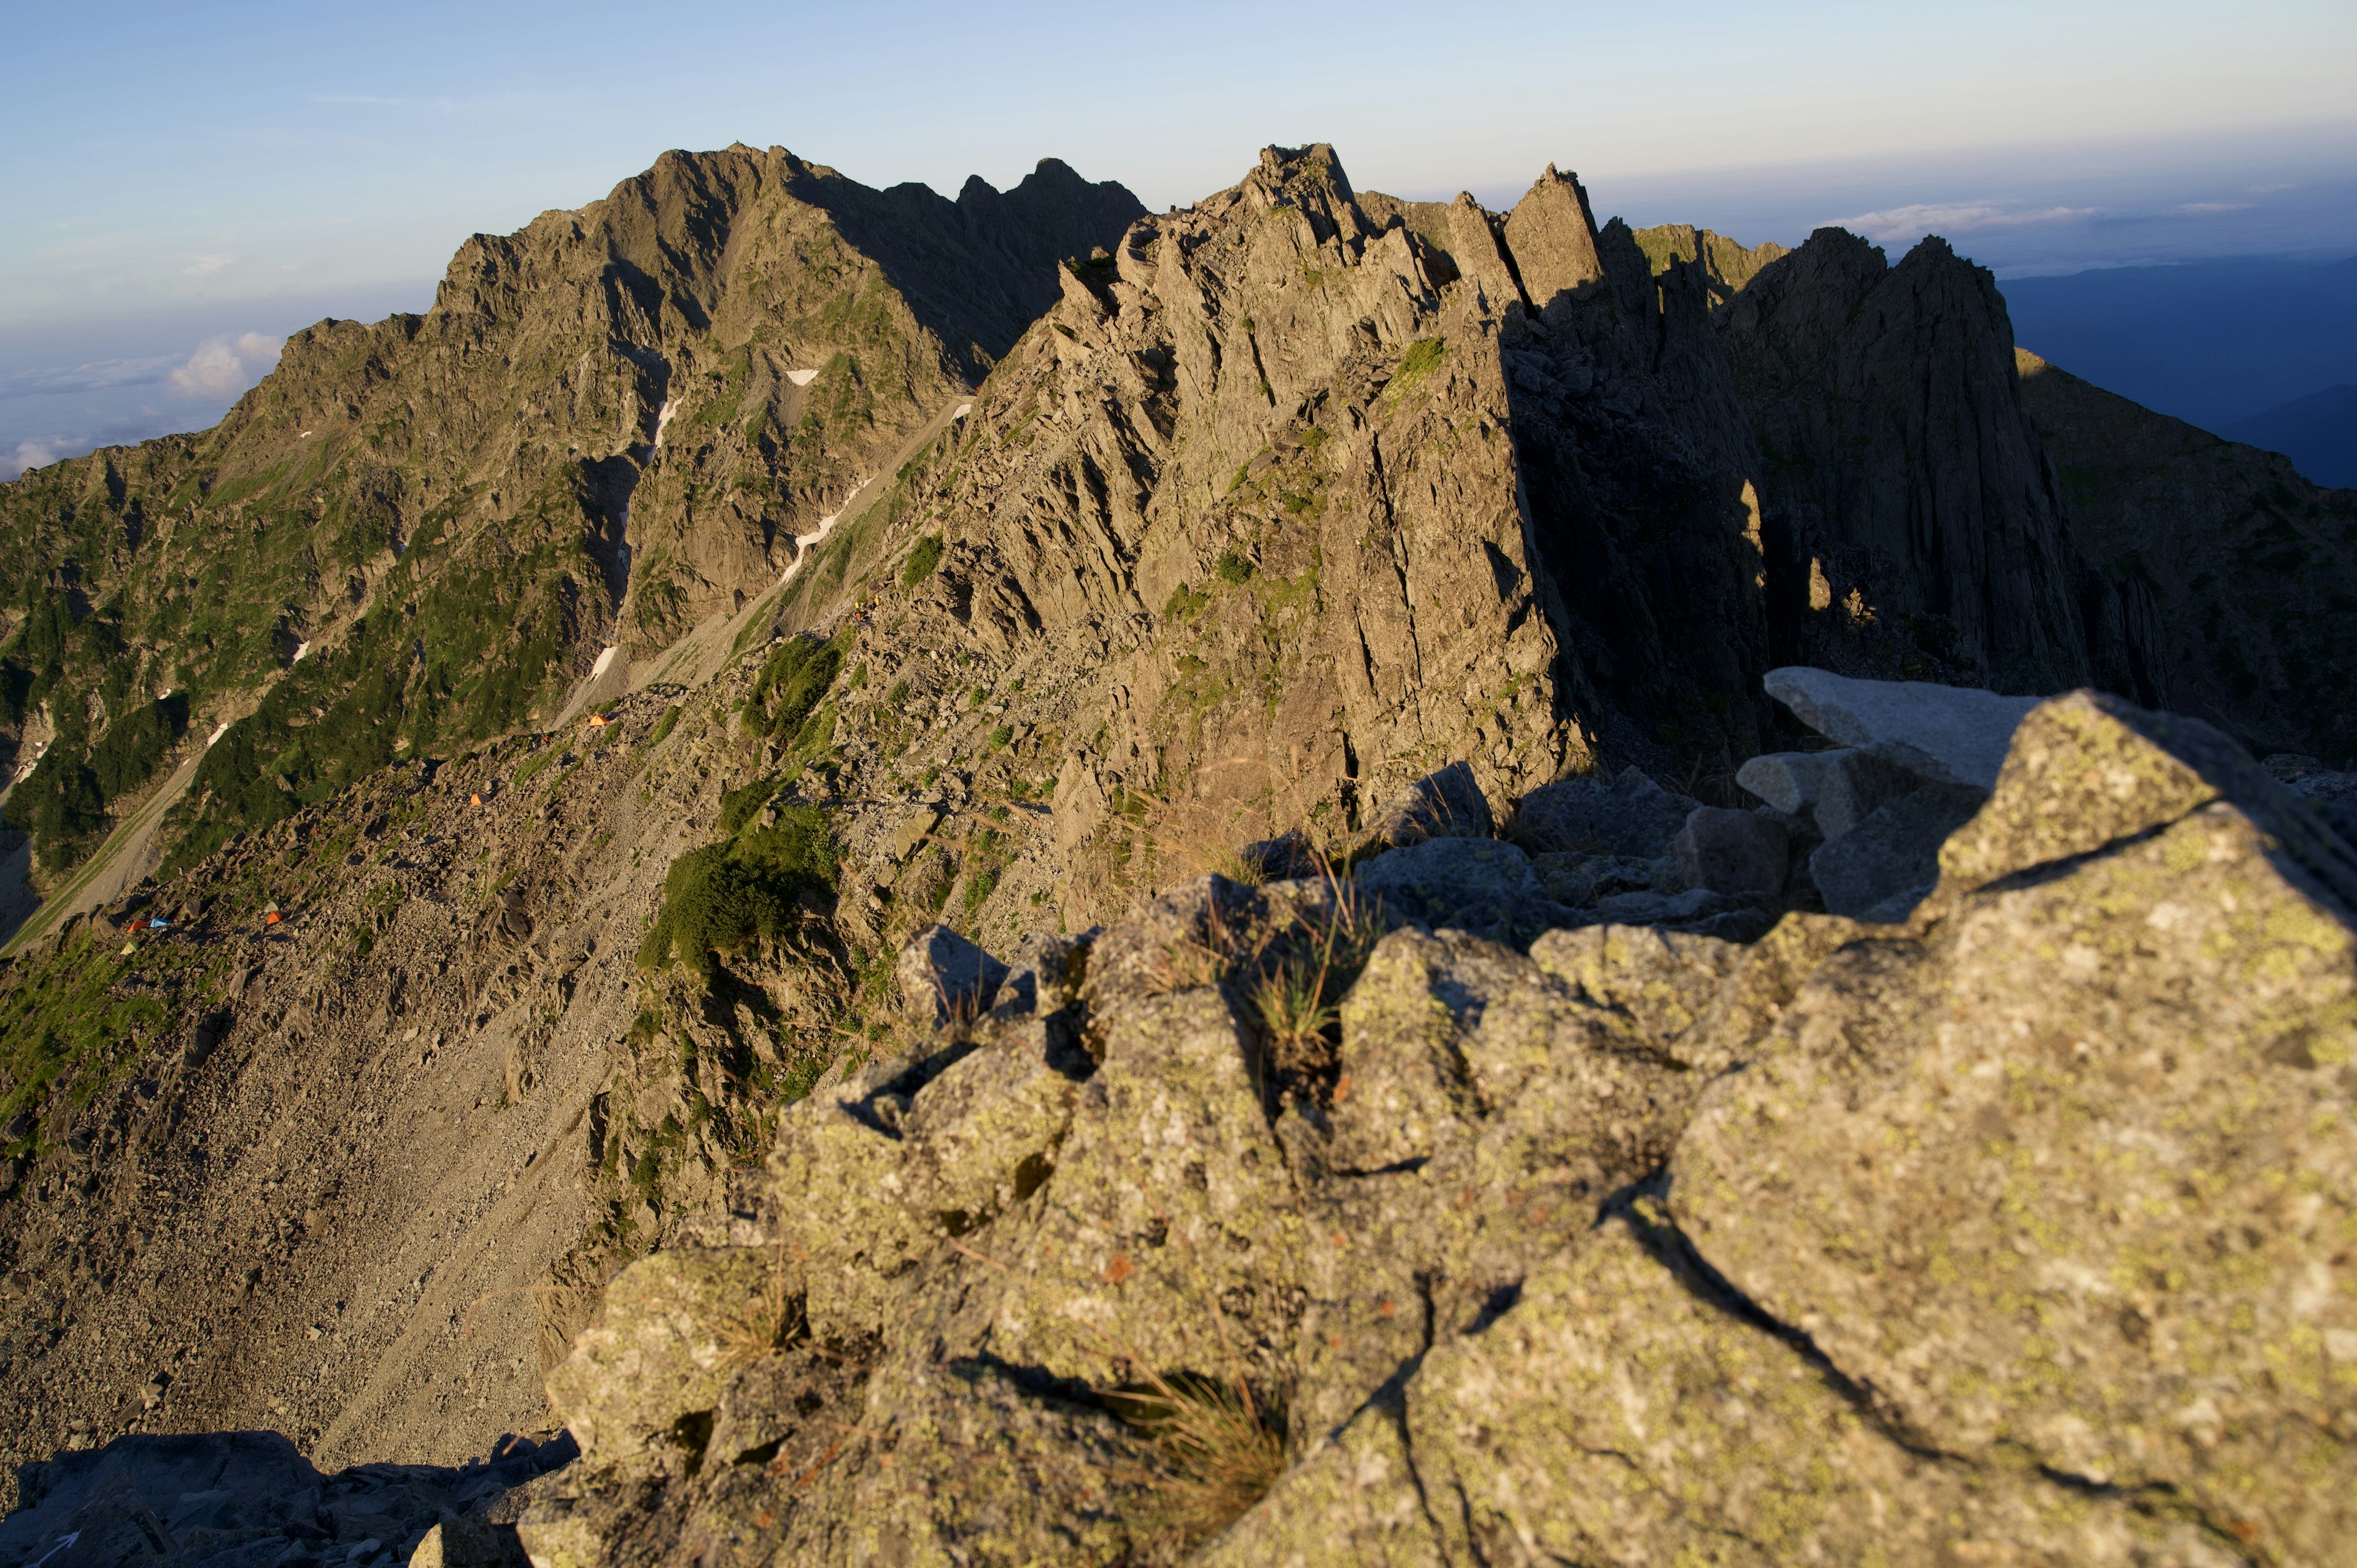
(1901, 466)
(234, 1498)
(2221, 555)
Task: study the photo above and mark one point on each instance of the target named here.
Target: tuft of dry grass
(1295, 1014)
(1188, 838)
(1224, 1449)
(770, 1321)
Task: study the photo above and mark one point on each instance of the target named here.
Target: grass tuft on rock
(1224, 1448)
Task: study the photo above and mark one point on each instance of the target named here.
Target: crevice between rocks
(1643, 1205)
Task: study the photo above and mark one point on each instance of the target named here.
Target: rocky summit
(827, 876)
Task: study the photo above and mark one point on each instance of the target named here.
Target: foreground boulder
(218, 1500)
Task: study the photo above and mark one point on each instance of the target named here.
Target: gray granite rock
(1482, 885)
(1882, 868)
(1948, 735)
(1446, 804)
(1632, 816)
(942, 975)
(1739, 853)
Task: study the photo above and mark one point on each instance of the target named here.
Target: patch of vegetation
(532, 765)
(1422, 357)
(664, 726)
(922, 561)
(720, 896)
(1233, 567)
(792, 685)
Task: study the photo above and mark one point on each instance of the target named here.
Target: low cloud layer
(50, 411)
(225, 367)
(1900, 225)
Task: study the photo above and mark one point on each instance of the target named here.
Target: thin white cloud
(2205, 208)
(222, 367)
(204, 266)
(1912, 222)
(95, 375)
(40, 452)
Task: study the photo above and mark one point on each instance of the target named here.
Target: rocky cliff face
(610, 424)
(1915, 513)
(2240, 569)
(1266, 1225)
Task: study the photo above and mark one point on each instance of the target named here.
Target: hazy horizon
(255, 168)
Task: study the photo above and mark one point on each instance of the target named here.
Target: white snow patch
(605, 662)
(963, 409)
(217, 732)
(300, 649)
(801, 378)
(662, 418)
(806, 542)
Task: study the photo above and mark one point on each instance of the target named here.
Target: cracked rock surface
(2017, 1230)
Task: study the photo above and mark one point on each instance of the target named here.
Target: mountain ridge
(1307, 537)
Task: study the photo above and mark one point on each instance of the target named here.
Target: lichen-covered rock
(2088, 770)
(1660, 979)
(1483, 1111)
(2069, 1171)
(1623, 1412)
(673, 1328)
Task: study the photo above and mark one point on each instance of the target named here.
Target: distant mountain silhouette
(2318, 433)
(2210, 342)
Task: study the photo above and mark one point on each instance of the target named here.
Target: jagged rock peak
(1552, 232)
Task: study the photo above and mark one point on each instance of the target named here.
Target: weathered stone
(1949, 735)
(1632, 816)
(1740, 853)
(1446, 804)
(1832, 791)
(1791, 781)
(1046, 970)
(1482, 886)
(1881, 869)
(982, 1135)
(673, 1328)
(1483, 1111)
(2092, 770)
(1661, 980)
(2078, 1201)
(1624, 1411)
(942, 976)
(915, 829)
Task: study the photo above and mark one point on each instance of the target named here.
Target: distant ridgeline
(611, 427)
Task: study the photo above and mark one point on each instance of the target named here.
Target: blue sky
(184, 184)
